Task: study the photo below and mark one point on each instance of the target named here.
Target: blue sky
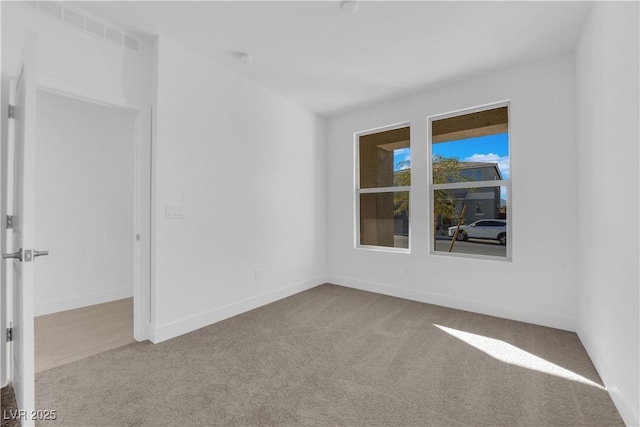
(491, 148)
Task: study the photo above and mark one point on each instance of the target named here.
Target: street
(472, 246)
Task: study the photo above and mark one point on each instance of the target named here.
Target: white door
(21, 258)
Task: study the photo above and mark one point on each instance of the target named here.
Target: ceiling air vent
(131, 43)
(73, 18)
(113, 36)
(50, 8)
(94, 27)
(79, 19)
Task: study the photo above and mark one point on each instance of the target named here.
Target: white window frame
(358, 191)
(474, 184)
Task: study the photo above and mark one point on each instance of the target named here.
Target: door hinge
(12, 111)
(9, 221)
(9, 334)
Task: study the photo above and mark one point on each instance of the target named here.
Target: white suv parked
(494, 229)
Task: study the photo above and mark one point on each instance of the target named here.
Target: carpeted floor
(9, 407)
(337, 356)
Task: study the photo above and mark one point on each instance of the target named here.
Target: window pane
(484, 158)
(384, 219)
(481, 213)
(471, 147)
(385, 159)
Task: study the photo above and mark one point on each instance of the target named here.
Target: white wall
(84, 203)
(540, 284)
(248, 167)
(608, 138)
(72, 61)
(258, 187)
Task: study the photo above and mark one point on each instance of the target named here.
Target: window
(383, 187)
(470, 181)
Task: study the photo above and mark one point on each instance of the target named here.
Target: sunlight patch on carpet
(513, 355)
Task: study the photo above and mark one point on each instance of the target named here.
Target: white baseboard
(180, 327)
(506, 312)
(63, 304)
(629, 414)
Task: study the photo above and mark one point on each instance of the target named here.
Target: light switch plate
(174, 212)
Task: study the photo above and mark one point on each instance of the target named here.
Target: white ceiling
(330, 62)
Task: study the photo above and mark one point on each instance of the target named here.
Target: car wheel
(502, 237)
(462, 235)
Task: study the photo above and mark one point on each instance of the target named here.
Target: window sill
(507, 258)
(384, 249)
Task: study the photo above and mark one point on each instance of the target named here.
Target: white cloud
(402, 166)
(502, 161)
(402, 155)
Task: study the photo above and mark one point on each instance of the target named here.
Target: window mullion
(383, 189)
(470, 184)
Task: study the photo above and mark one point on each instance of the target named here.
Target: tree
(445, 169)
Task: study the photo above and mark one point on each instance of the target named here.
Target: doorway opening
(85, 217)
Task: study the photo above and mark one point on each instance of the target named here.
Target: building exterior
(482, 203)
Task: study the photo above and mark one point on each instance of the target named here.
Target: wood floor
(71, 335)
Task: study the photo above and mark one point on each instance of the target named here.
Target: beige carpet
(8, 407)
(338, 356)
